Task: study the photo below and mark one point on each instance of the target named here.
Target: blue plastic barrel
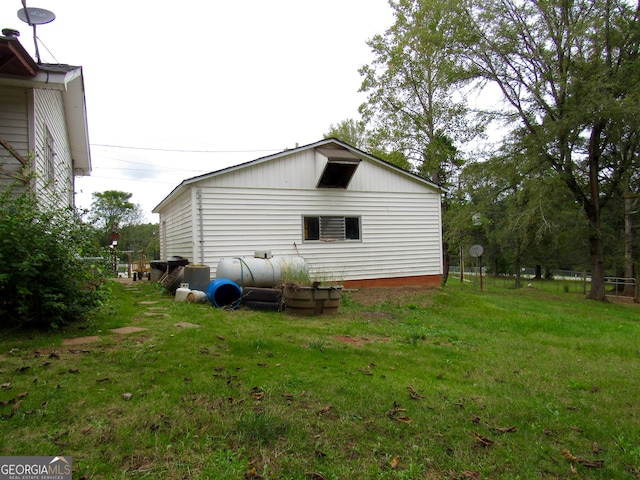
(224, 293)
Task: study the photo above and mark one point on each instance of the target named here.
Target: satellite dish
(476, 251)
(36, 16)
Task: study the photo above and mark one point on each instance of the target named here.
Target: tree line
(527, 113)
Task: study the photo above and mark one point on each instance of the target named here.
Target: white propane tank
(259, 272)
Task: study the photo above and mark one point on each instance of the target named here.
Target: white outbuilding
(354, 218)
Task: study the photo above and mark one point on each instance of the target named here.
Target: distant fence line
(559, 280)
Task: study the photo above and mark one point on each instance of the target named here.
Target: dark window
(331, 229)
(312, 228)
(352, 228)
(338, 173)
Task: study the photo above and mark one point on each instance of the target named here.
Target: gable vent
(339, 170)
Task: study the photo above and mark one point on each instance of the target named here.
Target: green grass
(446, 383)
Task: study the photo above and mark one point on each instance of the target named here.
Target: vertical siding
(49, 114)
(176, 223)
(14, 127)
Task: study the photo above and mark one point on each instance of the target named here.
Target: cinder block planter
(312, 300)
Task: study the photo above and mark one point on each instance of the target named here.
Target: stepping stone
(186, 325)
(126, 330)
(155, 314)
(156, 308)
(80, 340)
(148, 302)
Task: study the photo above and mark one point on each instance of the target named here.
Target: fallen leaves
(325, 410)
(252, 474)
(413, 394)
(315, 475)
(582, 461)
(504, 429)
(635, 472)
(484, 441)
(397, 414)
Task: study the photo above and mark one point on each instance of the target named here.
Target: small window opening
(331, 229)
(337, 174)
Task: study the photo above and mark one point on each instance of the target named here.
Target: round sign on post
(476, 252)
(36, 16)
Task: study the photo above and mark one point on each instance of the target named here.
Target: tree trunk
(629, 290)
(446, 262)
(594, 216)
(596, 253)
(538, 275)
(518, 267)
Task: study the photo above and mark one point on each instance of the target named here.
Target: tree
(111, 210)
(410, 104)
(143, 236)
(568, 72)
(355, 133)
(349, 131)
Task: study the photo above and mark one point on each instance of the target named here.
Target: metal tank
(260, 271)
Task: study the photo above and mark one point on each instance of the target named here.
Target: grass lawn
(401, 384)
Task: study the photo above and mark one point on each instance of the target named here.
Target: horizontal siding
(176, 236)
(302, 170)
(49, 114)
(14, 127)
(400, 232)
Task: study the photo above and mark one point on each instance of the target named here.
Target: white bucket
(196, 296)
(181, 294)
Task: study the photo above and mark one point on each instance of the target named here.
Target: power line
(181, 150)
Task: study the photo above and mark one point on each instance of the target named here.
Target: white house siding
(238, 222)
(14, 127)
(176, 229)
(261, 206)
(49, 113)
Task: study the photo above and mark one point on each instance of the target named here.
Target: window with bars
(331, 229)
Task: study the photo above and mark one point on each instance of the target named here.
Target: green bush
(51, 271)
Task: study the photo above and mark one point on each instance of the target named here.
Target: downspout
(200, 225)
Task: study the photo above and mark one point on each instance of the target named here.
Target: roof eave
(320, 143)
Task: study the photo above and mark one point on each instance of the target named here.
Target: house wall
(49, 114)
(176, 225)
(261, 207)
(25, 114)
(14, 127)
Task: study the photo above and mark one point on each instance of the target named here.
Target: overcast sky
(237, 80)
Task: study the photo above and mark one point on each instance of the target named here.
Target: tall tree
(349, 131)
(410, 104)
(111, 210)
(568, 71)
(354, 132)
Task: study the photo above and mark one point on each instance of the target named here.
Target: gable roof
(326, 143)
(18, 69)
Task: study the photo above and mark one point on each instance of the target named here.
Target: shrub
(50, 269)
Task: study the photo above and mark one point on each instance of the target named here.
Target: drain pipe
(200, 225)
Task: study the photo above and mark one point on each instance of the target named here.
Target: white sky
(242, 78)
